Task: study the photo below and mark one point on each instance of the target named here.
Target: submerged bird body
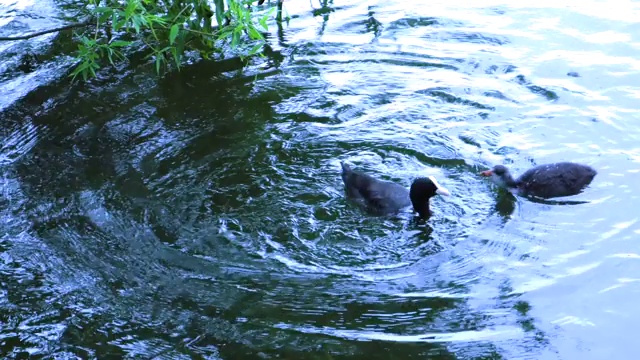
(545, 181)
(387, 197)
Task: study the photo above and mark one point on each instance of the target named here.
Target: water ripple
(190, 220)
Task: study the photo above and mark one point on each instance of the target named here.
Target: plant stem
(44, 32)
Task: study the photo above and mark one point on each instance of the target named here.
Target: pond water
(202, 215)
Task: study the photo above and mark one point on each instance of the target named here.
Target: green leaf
(136, 23)
(225, 34)
(158, 62)
(219, 11)
(176, 57)
(131, 8)
(120, 43)
(103, 13)
(156, 19)
(87, 42)
(80, 68)
(85, 68)
(254, 33)
(110, 56)
(103, 10)
(180, 43)
(120, 24)
(263, 22)
(236, 39)
(116, 21)
(255, 49)
(173, 33)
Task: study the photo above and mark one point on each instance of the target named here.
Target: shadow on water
(557, 202)
(506, 202)
(202, 215)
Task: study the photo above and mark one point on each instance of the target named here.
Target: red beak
(486, 173)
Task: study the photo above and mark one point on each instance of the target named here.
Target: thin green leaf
(111, 53)
(74, 74)
(118, 54)
(263, 23)
(121, 24)
(179, 45)
(82, 67)
(143, 20)
(153, 19)
(103, 10)
(103, 13)
(176, 57)
(120, 43)
(136, 23)
(256, 48)
(219, 11)
(236, 39)
(173, 33)
(225, 34)
(131, 8)
(254, 33)
(153, 31)
(116, 21)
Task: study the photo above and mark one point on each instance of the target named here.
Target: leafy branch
(166, 29)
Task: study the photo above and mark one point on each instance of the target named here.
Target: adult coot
(386, 197)
(545, 181)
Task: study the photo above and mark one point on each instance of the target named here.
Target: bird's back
(378, 195)
(556, 180)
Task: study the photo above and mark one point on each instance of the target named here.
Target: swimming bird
(545, 181)
(386, 197)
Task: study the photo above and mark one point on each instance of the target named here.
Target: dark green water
(203, 216)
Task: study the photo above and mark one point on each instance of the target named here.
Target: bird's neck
(509, 181)
(422, 209)
(512, 183)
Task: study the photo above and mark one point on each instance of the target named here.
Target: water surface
(202, 215)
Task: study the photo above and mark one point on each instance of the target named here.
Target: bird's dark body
(555, 180)
(378, 195)
(386, 197)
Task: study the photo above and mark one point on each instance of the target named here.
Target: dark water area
(202, 214)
